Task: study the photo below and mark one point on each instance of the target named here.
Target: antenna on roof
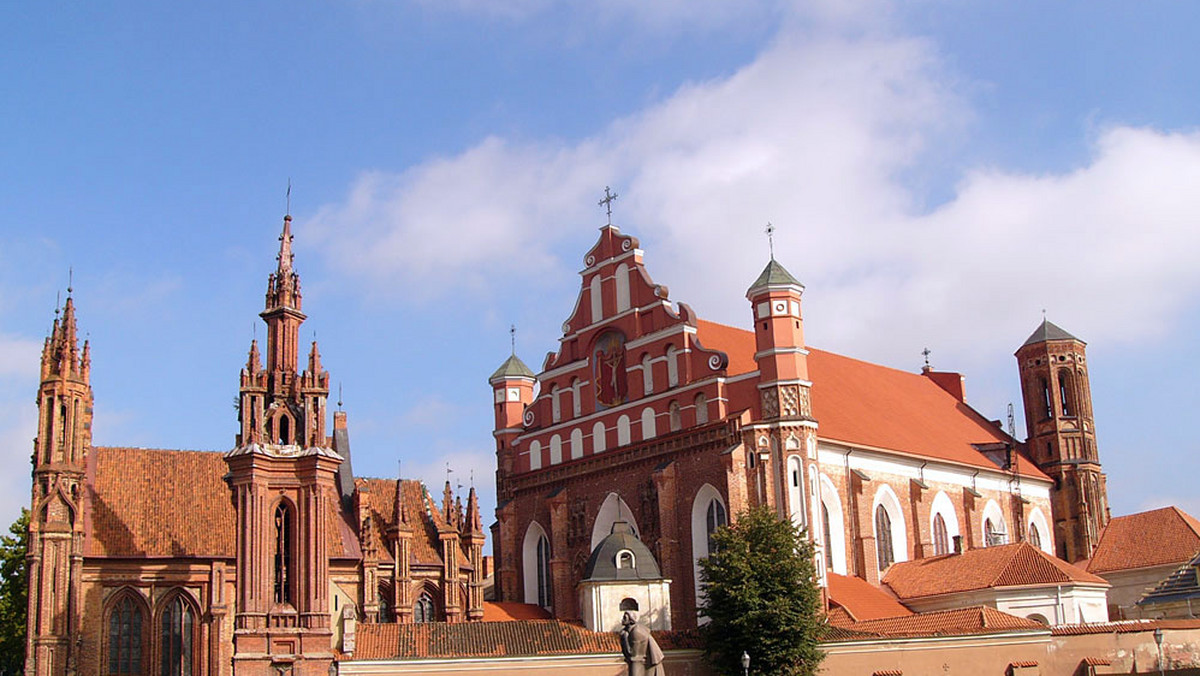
(770, 239)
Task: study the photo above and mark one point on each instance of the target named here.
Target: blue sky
(939, 173)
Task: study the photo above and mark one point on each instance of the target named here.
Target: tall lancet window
(177, 633)
(283, 554)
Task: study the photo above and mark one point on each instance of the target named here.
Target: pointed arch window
(1047, 410)
(1064, 393)
(282, 569)
(176, 636)
(423, 609)
(941, 536)
(1035, 537)
(125, 637)
(883, 538)
(827, 532)
(714, 519)
(387, 614)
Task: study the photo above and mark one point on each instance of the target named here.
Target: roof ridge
(156, 450)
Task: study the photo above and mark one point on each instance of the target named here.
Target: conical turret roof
(774, 275)
(512, 367)
(1048, 331)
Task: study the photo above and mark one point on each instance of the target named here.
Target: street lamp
(745, 663)
(1158, 638)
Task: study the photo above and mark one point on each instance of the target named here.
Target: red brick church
(259, 560)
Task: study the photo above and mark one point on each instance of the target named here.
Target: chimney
(958, 544)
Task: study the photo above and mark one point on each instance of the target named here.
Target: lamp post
(1158, 638)
(745, 663)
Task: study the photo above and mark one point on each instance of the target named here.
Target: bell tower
(1062, 436)
(60, 451)
(283, 478)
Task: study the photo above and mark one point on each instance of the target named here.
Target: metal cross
(512, 333)
(609, 198)
(771, 239)
(926, 352)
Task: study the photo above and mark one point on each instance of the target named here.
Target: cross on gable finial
(609, 198)
(926, 352)
(770, 239)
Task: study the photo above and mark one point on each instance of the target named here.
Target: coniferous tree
(14, 592)
(761, 597)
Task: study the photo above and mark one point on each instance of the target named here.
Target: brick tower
(512, 390)
(56, 528)
(283, 477)
(1062, 436)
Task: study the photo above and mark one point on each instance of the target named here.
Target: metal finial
(339, 396)
(512, 334)
(472, 477)
(288, 198)
(926, 352)
(1043, 314)
(70, 280)
(609, 198)
(448, 471)
(771, 239)
(57, 302)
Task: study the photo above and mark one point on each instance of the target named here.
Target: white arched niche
(993, 513)
(648, 423)
(623, 430)
(529, 561)
(705, 498)
(622, 280)
(795, 490)
(599, 437)
(942, 505)
(886, 497)
(596, 299)
(535, 455)
(613, 509)
(832, 503)
(1037, 519)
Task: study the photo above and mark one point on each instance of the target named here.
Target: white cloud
(19, 357)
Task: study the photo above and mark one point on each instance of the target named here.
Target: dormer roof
(606, 561)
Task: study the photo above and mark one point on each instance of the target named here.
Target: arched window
(625, 559)
(623, 434)
(1047, 410)
(535, 455)
(596, 299)
(387, 614)
(176, 634)
(576, 443)
(555, 449)
(701, 409)
(827, 533)
(673, 416)
(622, 280)
(941, 537)
(647, 375)
(990, 537)
(423, 610)
(795, 490)
(628, 604)
(283, 554)
(883, 538)
(125, 637)
(648, 427)
(714, 519)
(1035, 537)
(672, 366)
(1064, 393)
(543, 572)
(598, 437)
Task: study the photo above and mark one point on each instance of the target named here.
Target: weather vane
(927, 352)
(609, 198)
(770, 239)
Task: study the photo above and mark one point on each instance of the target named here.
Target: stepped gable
(956, 622)
(1158, 537)
(859, 600)
(148, 502)
(866, 404)
(1019, 564)
(480, 639)
(426, 548)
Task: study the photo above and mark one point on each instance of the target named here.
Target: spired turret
(512, 390)
(1062, 436)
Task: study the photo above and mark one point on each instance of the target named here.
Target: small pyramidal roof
(774, 275)
(1048, 331)
(512, 367)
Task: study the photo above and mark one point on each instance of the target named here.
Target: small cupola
(622, 576)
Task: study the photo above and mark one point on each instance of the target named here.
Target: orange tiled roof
(1159, 537)
(1014, 565)
(507, 611)
(957, 622)
(381, 504)
(860, 600)
(479, 639)
(871, 405)
(151, 502)
(1122, 627)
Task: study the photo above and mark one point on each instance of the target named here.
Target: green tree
(761, 597)
(14, 592)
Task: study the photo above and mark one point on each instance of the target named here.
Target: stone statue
(641, 651)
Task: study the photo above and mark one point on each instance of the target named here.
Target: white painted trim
(794, 381)
(780, 350)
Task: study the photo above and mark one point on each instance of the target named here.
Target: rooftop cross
(609, 198)
(770, 239)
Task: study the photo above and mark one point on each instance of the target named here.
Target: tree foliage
(14, 592)
(761, 597)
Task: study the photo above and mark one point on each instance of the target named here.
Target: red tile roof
(860, 600)
(1014, 565)
(957, 622)
(871, 405)
(1122, 627)
(1167, 536)
(1097, 661)
(479, 639)
(426, 549)
(148, 502)
(507, 611)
